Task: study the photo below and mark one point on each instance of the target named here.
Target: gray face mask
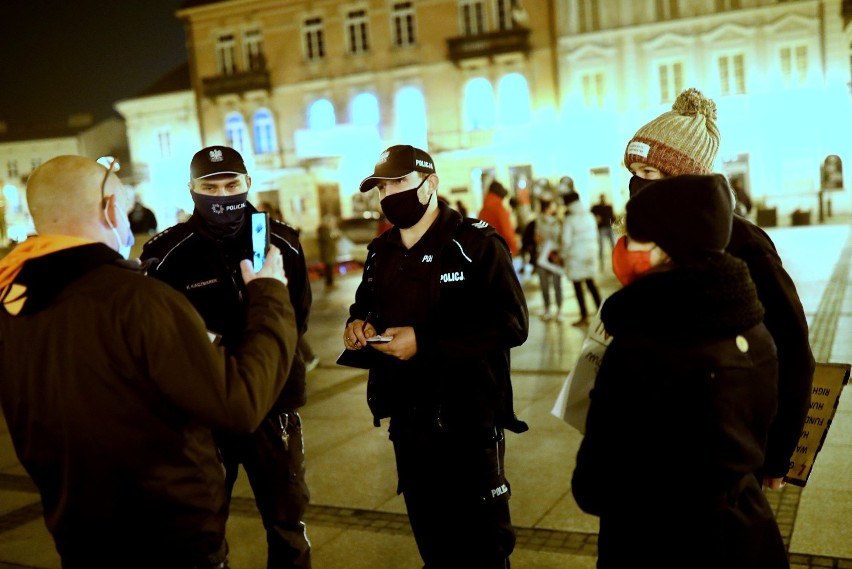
(223, 216)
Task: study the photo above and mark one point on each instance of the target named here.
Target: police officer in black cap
(445, 290)
(200, 258)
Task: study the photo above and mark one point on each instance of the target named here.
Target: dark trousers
(456, 495)
(581, 299)
(276, 473)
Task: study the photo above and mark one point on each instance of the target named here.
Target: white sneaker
(311, 365)
(547, 315)
(557, 317)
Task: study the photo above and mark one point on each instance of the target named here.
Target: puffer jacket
(679, 418)
(579, 244)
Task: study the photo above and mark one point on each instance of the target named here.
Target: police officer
(200, 258)
(445, 290)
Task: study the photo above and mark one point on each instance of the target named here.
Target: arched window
(321, 115)
(478, 104)
(513, 98)
(365, 110)
(236, 132)
(410, 115)
(265, 140)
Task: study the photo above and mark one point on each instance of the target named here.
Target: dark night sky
(59, 57)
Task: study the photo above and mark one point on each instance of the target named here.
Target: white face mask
(123, 249)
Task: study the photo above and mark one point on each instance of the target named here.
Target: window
(667, 9)
(794, 65)
(410, 115)
(402, 17)
(505, 21)
(225, 59)
(12, 169)
(513, 95)
(164, 142)
(587, 15)
(236, 132)
(671, 81)
(592, 85)
(731, 74)
(727, 5)
(357, 32)
(365, 110)
(321, 115)
(253, 48)
(472, 16)
(265, 141)
(314, 40)
(479, 104)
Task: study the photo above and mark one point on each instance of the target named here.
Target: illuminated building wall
(778, 71)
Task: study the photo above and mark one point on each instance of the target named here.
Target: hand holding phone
(379, 339)
(259, 238)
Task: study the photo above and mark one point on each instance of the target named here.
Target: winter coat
(548, 228)
(579, 243)
(476, 312)
(785, 319)
(677, 427)
(110, 389)
(206, 270)
(495, 214)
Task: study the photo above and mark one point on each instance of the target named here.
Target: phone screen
(259, 238)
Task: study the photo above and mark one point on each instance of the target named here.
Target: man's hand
(273, 268)
(356, 333)
(404, 343)
(773, 483)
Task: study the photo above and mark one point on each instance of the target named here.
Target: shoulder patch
(479, 224)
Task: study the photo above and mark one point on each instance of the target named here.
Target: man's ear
(248, 182)
(110, 210)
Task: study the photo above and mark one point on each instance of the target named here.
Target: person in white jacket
(580, 252)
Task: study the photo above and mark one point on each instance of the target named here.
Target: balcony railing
(489, 44)
(236, 83)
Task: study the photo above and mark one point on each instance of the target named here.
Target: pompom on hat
(684, 140)
(687, 216)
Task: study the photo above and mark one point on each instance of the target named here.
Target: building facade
(310, 91)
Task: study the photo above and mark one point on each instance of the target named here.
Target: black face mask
(638, 184)
(404, 209)
(223, 216)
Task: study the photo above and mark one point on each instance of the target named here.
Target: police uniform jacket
(110, 388)
(458, 289)
(786, 321)
(678, 422)
(206, 270)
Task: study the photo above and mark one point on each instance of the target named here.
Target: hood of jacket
(38, 269)
(712, 298)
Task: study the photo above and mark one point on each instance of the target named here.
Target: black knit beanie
(687, 216)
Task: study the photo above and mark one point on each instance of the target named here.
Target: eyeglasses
(111, 164)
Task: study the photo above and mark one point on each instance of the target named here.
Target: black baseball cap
(397, 162)
(215, 160)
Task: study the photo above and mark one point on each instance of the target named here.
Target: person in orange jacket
(495, 214)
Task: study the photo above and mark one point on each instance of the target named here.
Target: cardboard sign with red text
(829, 380)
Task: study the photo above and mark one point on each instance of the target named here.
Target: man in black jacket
(685, 140)
(111, 386)
(445, 289)
(200, 258)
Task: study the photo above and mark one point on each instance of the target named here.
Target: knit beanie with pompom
(684, 140)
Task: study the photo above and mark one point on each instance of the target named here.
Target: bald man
(111, 385)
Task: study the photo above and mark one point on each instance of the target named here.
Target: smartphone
(259, 238)
(379, 339)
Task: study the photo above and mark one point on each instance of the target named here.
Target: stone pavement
(356, 520)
